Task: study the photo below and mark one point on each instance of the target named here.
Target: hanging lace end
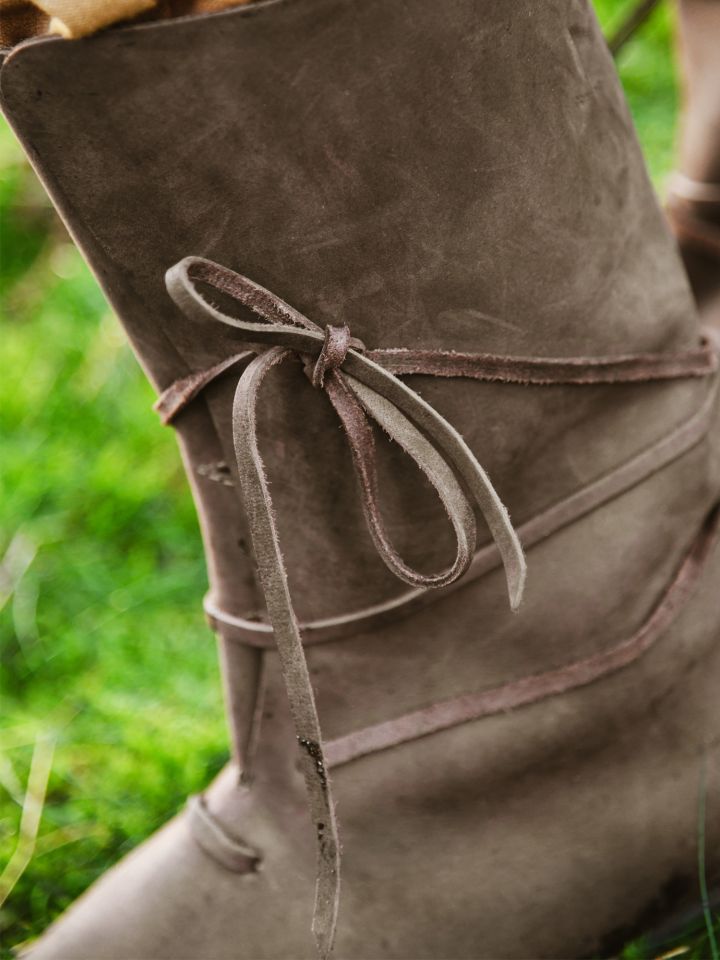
(327, 888)
(515, 571)
(327, 894)
(516, 588)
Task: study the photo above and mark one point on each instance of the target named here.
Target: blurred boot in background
(694, 196)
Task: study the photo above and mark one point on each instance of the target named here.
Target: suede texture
(460, 176)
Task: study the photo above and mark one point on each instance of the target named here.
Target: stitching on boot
(214, 841)
(445, 714)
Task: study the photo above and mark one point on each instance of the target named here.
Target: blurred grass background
(109, 677)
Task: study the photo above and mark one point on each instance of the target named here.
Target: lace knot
(334, 350)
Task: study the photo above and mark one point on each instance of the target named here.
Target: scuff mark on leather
(217, 471)
(314, 751)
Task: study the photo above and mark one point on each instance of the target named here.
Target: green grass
(102, 643)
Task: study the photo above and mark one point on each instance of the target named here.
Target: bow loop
(280, 325)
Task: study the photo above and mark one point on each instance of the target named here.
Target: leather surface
(460, 175)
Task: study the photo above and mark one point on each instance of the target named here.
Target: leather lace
(363, 386)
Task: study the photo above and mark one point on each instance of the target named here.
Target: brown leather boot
(456, 239)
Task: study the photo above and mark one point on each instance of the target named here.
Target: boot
(436, 215)
(694, 191)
